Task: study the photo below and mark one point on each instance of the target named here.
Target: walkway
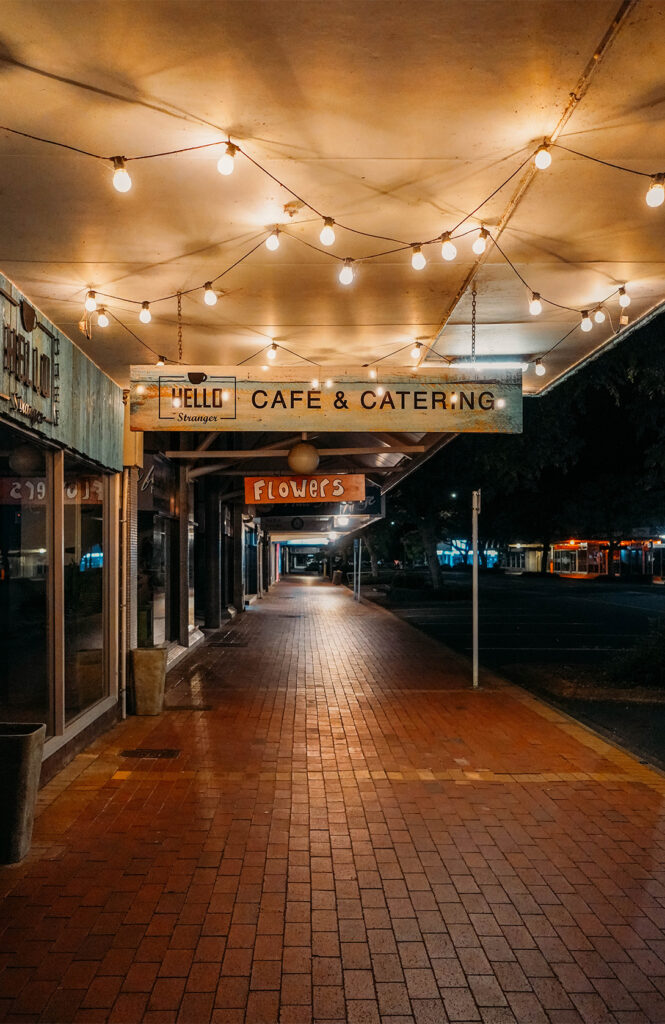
(346, 833)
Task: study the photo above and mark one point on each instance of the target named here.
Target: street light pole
(475, 509)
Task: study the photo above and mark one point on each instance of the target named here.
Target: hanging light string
(135, 336)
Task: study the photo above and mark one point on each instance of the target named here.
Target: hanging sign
(349, 399)
(293, 490)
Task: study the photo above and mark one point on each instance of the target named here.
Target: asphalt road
(525, 620)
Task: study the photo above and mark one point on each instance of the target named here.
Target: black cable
(606, 163)
(492, 194)
(51, 142)
(135, 336)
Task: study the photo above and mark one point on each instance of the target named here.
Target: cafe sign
(343, 399)
(293, 490)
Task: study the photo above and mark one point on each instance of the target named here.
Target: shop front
(59, 497)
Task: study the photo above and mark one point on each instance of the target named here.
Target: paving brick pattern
(349, 834)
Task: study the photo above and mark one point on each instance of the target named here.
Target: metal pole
(360, 559)
(355, 560)
(475, 509)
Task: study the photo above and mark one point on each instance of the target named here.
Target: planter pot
(337, 577)
(21, 747)
(149, 675)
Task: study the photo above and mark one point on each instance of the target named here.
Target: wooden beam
(269, 453)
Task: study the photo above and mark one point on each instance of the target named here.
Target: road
(527, 620)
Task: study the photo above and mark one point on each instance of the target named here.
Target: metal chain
(473, 324)
(179, 327)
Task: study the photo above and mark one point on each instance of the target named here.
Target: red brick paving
(350, 834)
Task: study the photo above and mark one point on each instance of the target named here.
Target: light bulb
(453, 398)
(540, 369)
(480, 243)
(329, 384)
(272, 241)
(327, 236)
(272, 351)
(448, 250)
(656, 191)
(161, 361)
(535, 306)
(121, 180)
(176, 403)
(380, 391)
(587, 323)
(225, 396)
(102, 319)
(543, 158)
(226, 162)
(342, 520)
(418, 260)
(372, 374)
(91, 302)
(315, 384)
(140, 389)
(415, 351)
(599, 315)
(501, 403)
(346, 273)
(145, 316)
(624, 298)
(209, 296)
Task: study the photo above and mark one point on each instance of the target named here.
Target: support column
(183, 547)
(238, 559)
(213, 549)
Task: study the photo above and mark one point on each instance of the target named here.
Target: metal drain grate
(188, 707)
(164, 753)
(286, 615)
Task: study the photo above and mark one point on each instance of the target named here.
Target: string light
(656, 191)
(346, 273)
(272, 241)
(418, 260)
(380, 391)
(329, 384)
(535, 306)
(161, 361)
(500, 403)
(480, 243)
(372, 374)
(327, 236)
(91, 302)
(599, 315)
(209, 296)
(415, 351)
(540, 368)
(272, 351)
(315, 383)
(624, 298)
(176, 403)
(448, 249)
(102, 318)
(225, 396)
(587, 322)
(140, 388)
(226, 162)
(121, 180)
(145, 316)
(543, 157)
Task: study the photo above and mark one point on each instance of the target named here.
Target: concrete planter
(21, 747)
(149, 675)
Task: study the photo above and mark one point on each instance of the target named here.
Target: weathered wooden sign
(349, 399)
(293, 490)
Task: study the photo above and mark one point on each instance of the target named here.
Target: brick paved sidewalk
(348, 833)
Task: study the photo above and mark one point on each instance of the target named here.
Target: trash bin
(21, 748)
(149, 676)
(337, 577)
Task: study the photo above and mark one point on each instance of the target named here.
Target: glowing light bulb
(91, 302)
(329, 384)
(145, 316)
(480, 243)
(599, 315)
(327, 236)
(415, 351)
(272, 351)
(209, 296)
(540, 369)
(161, 361)
(315, 383)
(543, 158)
(342, 520)
(535, 306)
(102, 319)
(226, 162)
(453, 398)
(587, 323)
(500, 403)
(176, 403)
(225, 396)
(121, 180)
(656, 191)
(272, 241)
(624, 298)
(372, 374)
(346, 273)
(448, 249)
(418, 261)
(380, 391)
(140, 389)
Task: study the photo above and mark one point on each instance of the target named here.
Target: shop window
(25, 562)
(84, 587)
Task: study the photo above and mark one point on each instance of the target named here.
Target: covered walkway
(338, 829)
